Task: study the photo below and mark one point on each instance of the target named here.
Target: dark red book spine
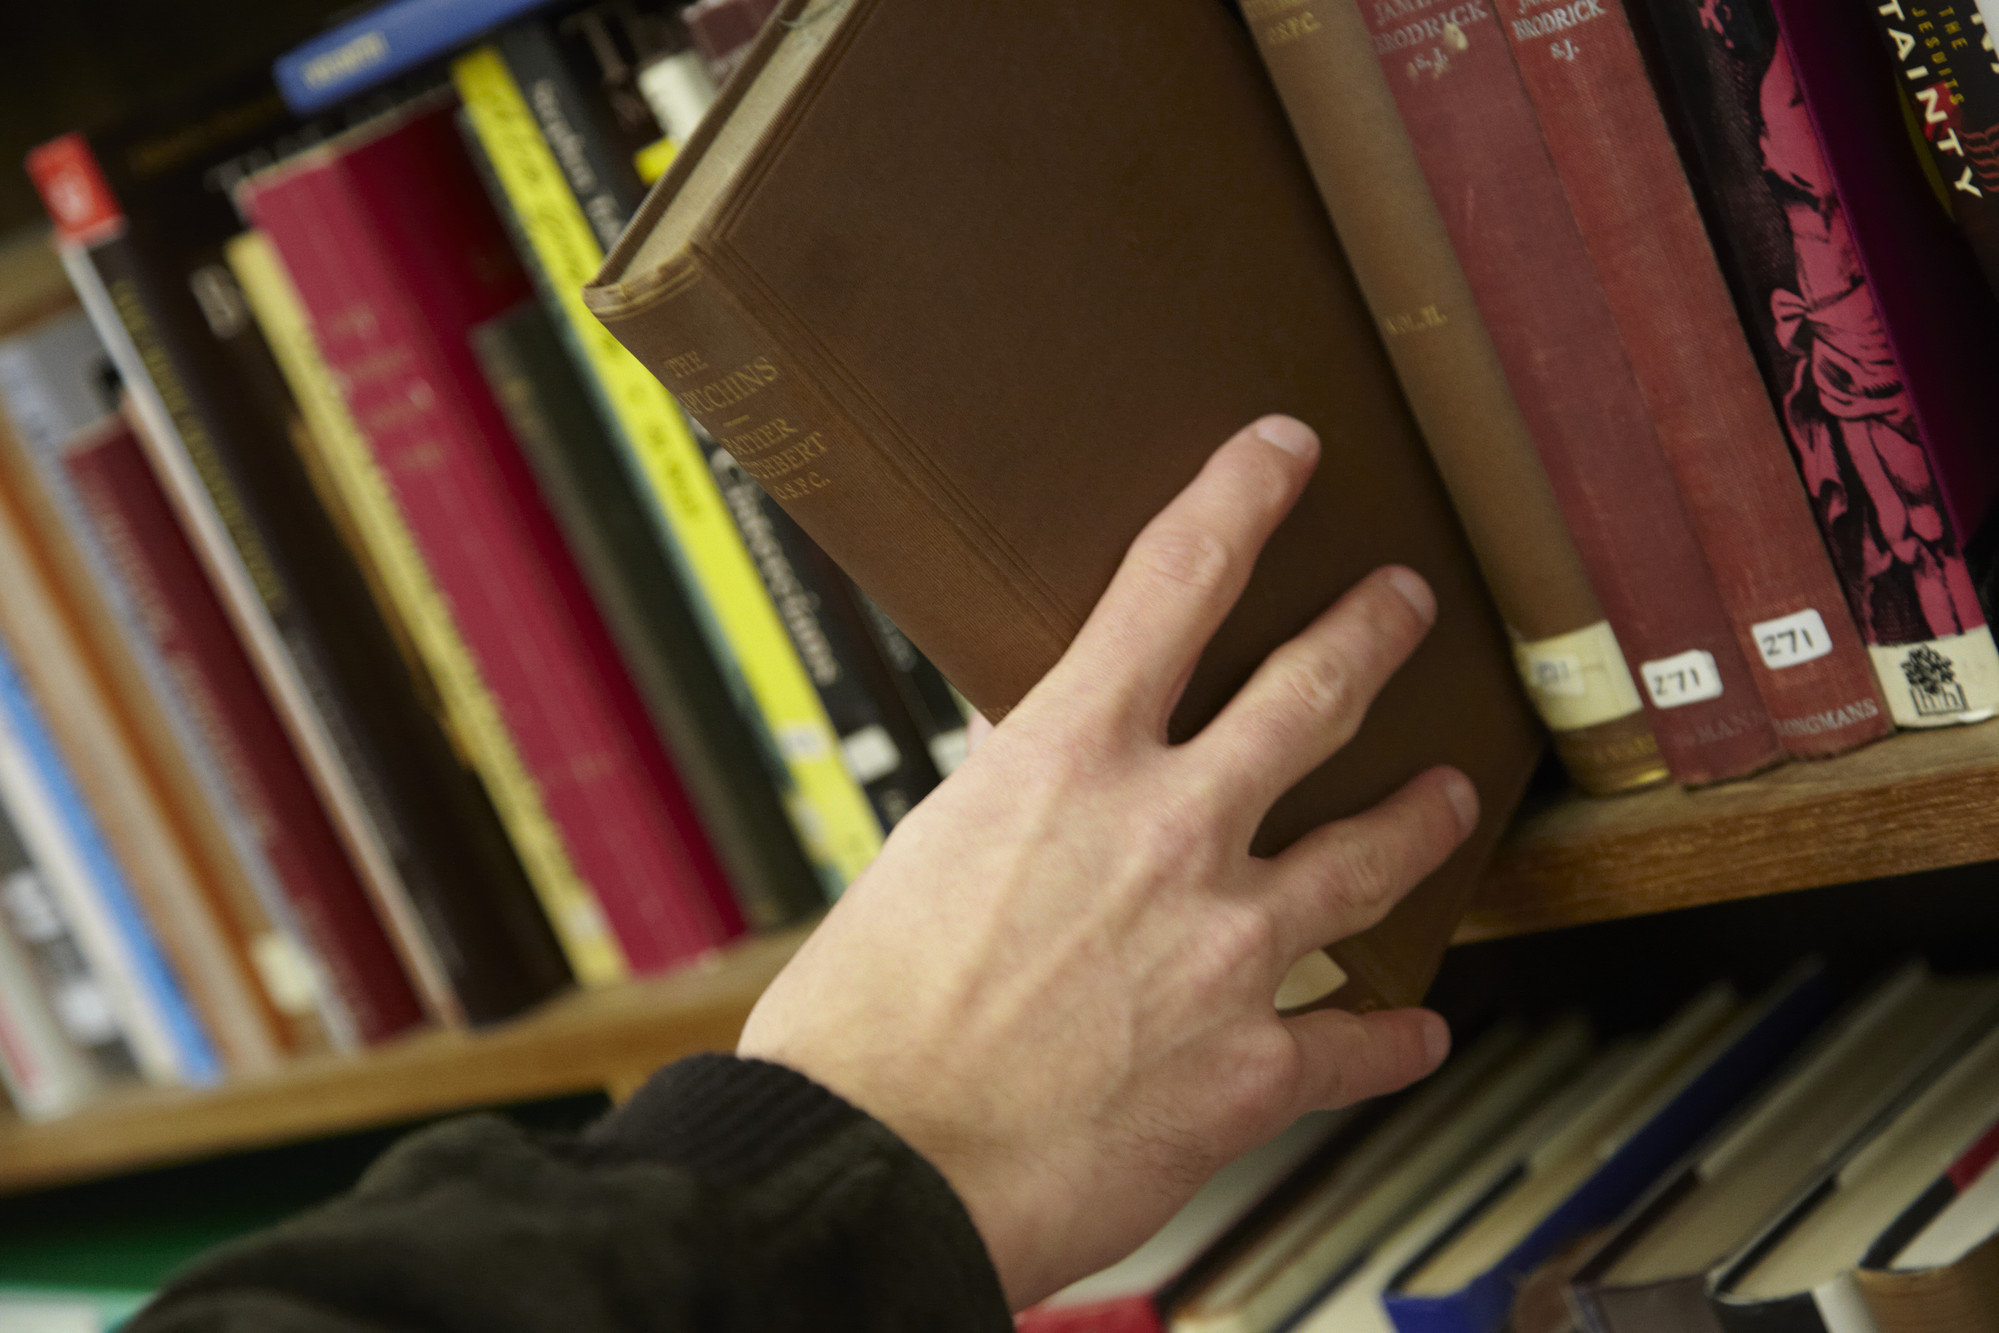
(398, 257)
(1480, 148)
(193, 636)
(1119, 1314)
(1610, 145)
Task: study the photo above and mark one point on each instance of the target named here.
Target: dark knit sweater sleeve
(726, 1195)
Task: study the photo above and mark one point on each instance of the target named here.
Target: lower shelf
(1913, 803)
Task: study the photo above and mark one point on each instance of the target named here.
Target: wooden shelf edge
(583, 1042)
(1911, 803)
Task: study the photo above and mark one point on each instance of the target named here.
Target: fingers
(1345, 1058)
(1185, 570)
(1344, 877)
(1310, 696)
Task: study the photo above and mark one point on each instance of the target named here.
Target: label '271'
(1684, 678)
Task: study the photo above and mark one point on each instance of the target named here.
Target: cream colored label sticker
(290, 975)
(1577, 679)
(870, 753)
(1942, 682)
(1684, 678)
(1791, 640)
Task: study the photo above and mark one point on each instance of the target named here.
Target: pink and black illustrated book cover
(1873, 327)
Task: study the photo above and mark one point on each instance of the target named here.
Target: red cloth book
(1480, 147)
(1610, 145)
(398, 258)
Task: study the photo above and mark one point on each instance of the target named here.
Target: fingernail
(1463, 798)
(1436, 1038)
(1414, 590)
(1291, 435)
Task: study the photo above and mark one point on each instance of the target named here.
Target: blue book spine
(148, 972)
(1484, 1304)
(388, 40)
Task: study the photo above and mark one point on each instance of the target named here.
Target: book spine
(925, 693)
(478, 904)
(62, 837)
(77, 1001)
(1781, 229)
(1128, 1314)
(65, 682)
(388, 40)
(1480, 149)
(397, 259)
(59, 1036)
(610, 534)
(594, 162)
(195, 756)
(879, 746)
(254, 590)
(472, 714)
(745, 631)
(1622, 176)
(42, 1074)
(191, 633)
(1946, 69)
(1963, 1294)
(1365, 167)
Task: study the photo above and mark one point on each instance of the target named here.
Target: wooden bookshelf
(1914, 803)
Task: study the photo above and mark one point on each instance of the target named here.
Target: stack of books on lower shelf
(1815, 1157)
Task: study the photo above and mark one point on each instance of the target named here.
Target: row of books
(380, 644)
(1810, 1159)
(1713, 262)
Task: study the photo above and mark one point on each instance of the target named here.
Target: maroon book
(398, 258)
(1622, 176)
(1480, 148)
(193, 636)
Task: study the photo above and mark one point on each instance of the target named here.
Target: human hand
(1056, 980)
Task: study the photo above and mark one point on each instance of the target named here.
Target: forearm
(726, 1195)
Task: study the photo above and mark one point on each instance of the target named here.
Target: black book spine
(1948, 74)
(931, 701)
(879, 742)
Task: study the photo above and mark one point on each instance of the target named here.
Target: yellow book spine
(422, 617)
(839, 829)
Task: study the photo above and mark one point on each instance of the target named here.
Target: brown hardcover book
(1610, 145)
(1950, 1298)
(1366, 170)
(1479, 145)
(1935, 1269)
(975, 365)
